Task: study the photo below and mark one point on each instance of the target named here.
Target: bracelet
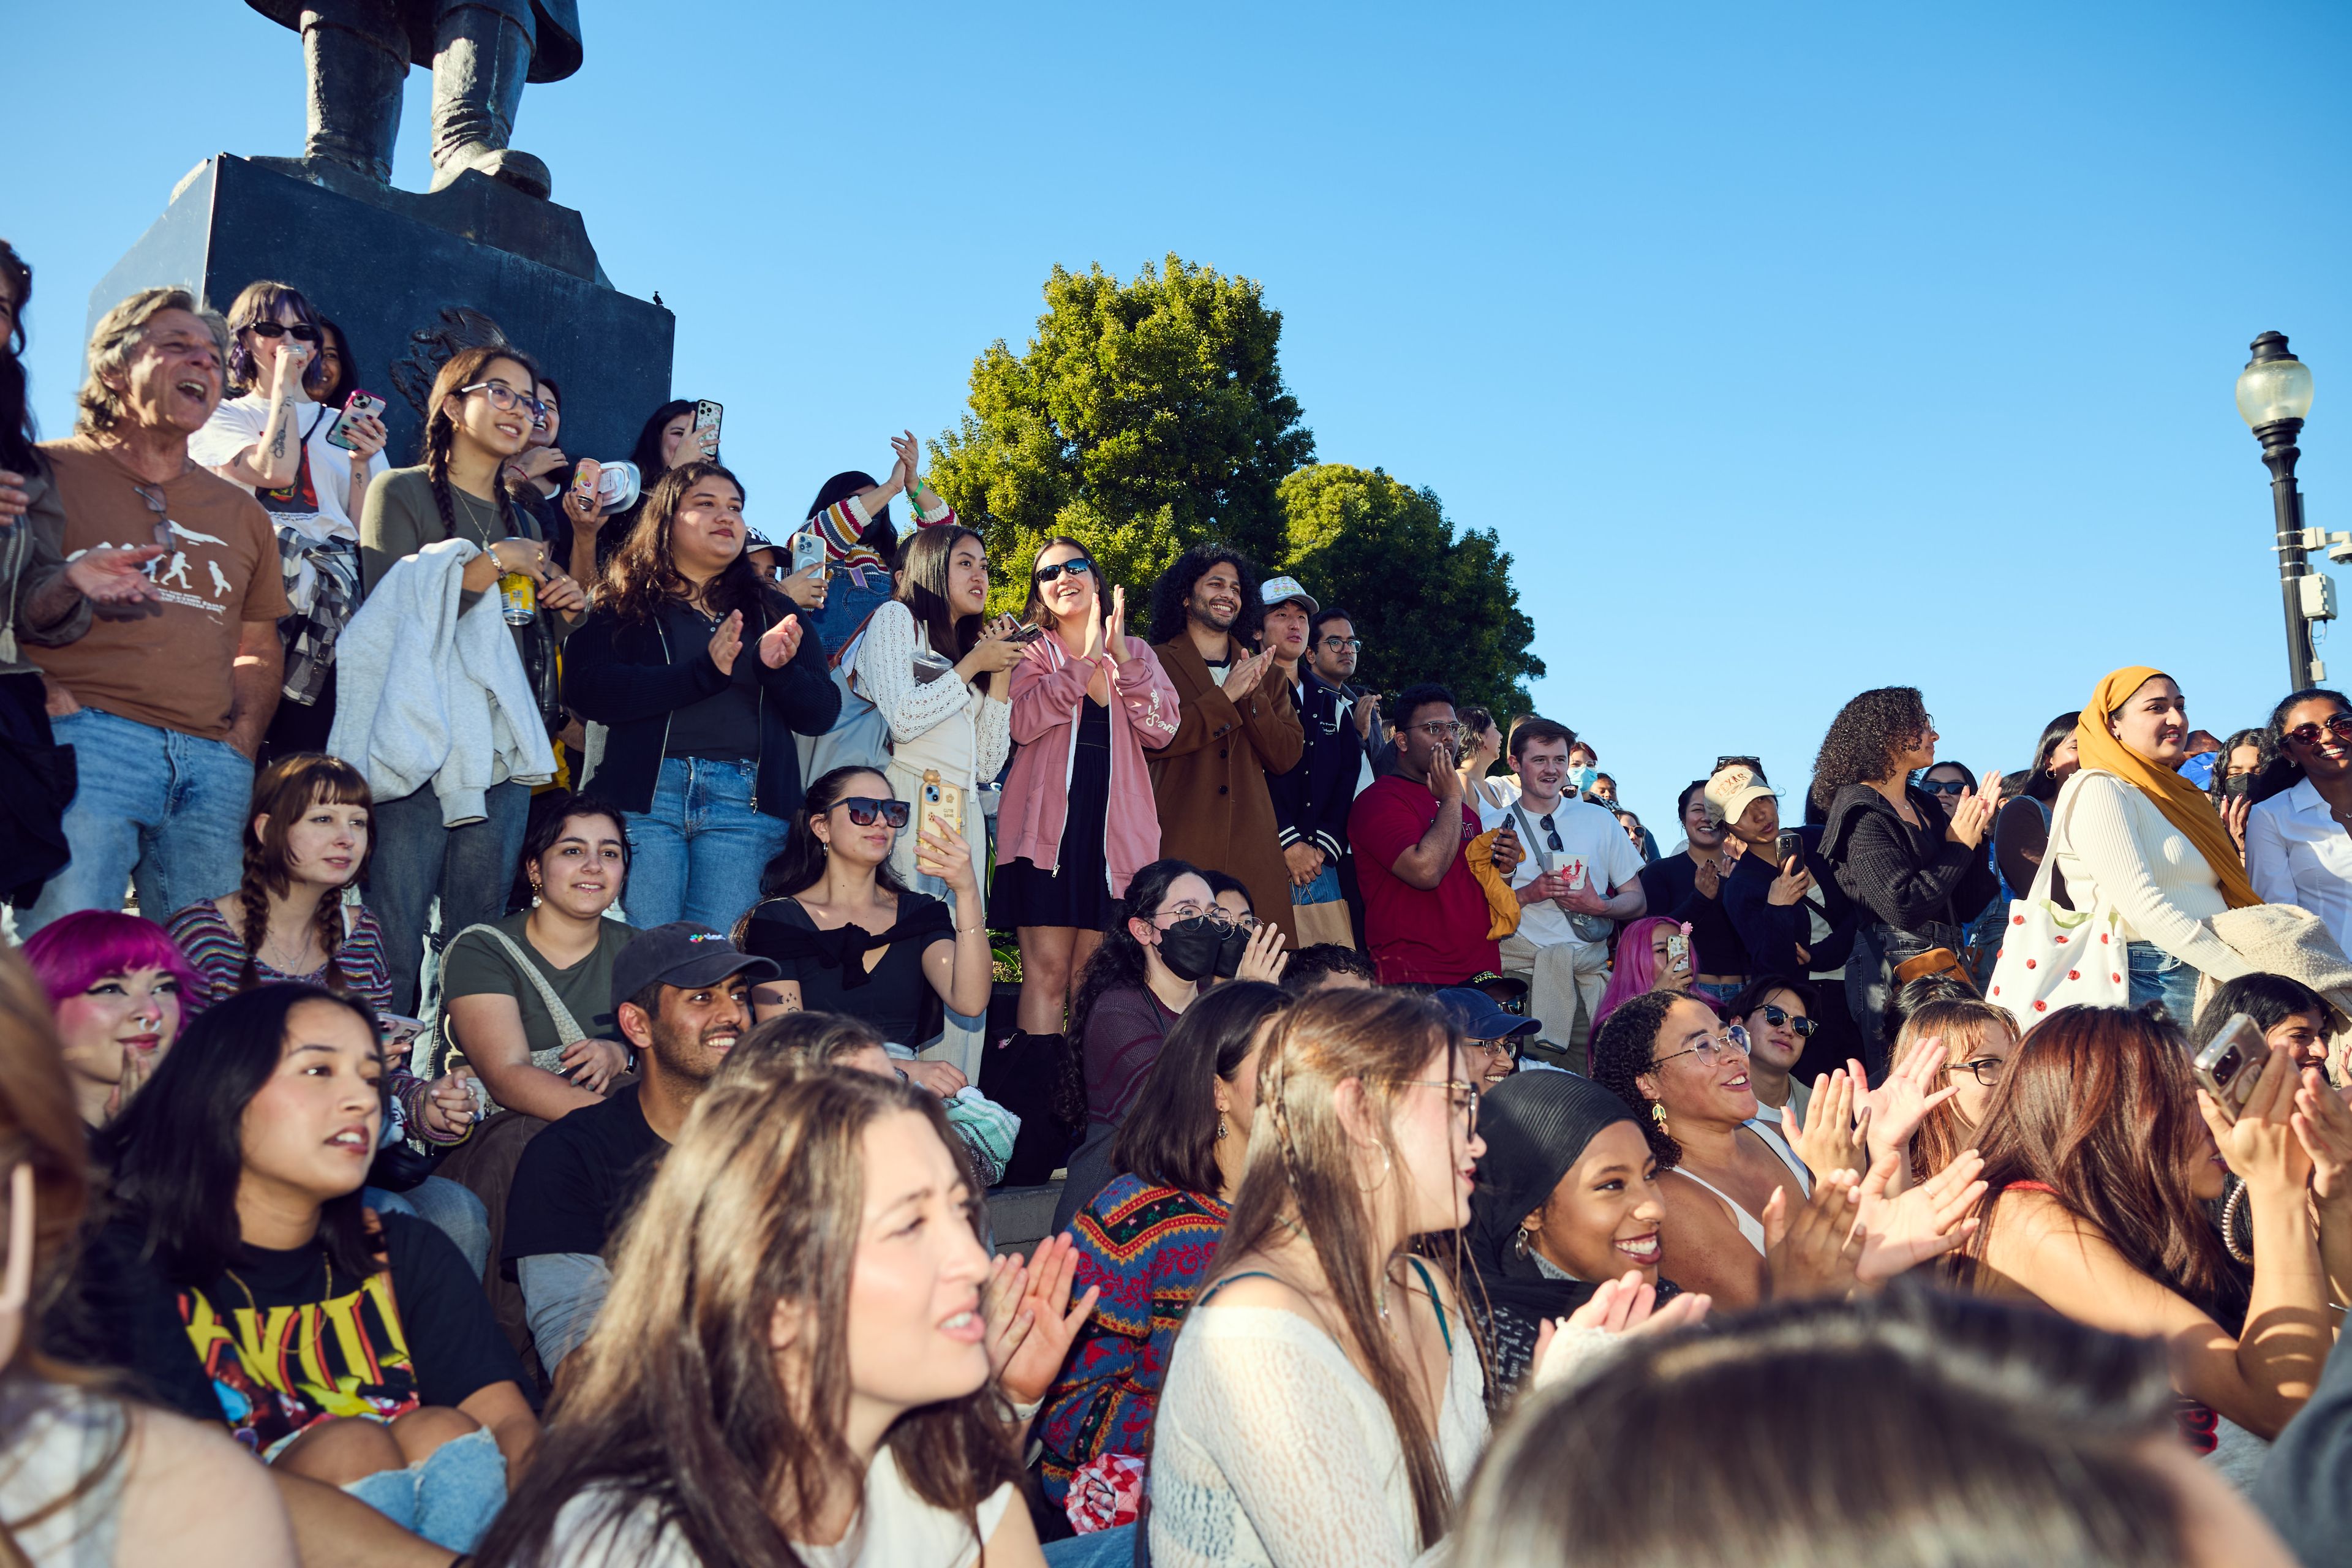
(967, 930)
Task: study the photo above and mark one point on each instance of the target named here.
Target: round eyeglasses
(1713, 1051)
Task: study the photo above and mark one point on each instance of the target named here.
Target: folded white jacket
(427, 695)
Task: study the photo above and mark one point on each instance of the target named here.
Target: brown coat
(1214, 808)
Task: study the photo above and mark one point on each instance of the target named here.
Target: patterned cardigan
(1148, 1247)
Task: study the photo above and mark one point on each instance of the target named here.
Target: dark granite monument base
(411, 278)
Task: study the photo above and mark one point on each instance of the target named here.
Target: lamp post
(2273, 394)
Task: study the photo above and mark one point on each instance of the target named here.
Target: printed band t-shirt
(168, 667)
(1434, 936)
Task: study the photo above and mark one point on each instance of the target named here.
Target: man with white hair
(165, 700)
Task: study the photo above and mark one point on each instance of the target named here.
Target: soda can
(517, 598)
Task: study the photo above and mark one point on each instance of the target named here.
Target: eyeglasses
(1338, 645)
(1462, 1096)
(1986, 1071)
(1216, 915)
(1776, 1017)
(506, 399)
(1438, 729)
(1551, 834)
(863, 808)
(1077, 566)
(1944, 786)
(272, 330)
(154, 496)
(1712, 1051)
(2336, 724)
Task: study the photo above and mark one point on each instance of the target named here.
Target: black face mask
(1229, 952)
(1191, 948)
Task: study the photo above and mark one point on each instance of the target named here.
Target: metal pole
(2279, 455)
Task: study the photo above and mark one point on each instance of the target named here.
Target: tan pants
(1566, 980)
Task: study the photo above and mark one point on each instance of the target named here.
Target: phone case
(358, 404)
(707, 416)
(937, 803)
(808, 550)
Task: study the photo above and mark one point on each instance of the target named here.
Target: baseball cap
(1478, 1017)
(683, 954)
(1282, 590)
(1733, 790)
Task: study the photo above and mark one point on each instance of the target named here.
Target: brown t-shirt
(169, 667)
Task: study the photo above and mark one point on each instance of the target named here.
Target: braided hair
(1626, 1048)
(465, 367)
(286, 788)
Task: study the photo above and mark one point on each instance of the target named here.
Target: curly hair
(1172, 596)
(1867, 739)
(1626, 1048)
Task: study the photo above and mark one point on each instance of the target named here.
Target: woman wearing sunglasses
(271, 438)
(1777, 1015)
(850, 936)
(2299, 842)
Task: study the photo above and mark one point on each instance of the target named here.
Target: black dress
(1078, 895)
(831, 964)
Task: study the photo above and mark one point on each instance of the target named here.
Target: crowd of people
(589, 964)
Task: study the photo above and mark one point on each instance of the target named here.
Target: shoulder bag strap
(567, 1030)
(1535, 844)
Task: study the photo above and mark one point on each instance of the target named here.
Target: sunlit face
(1542, 767)
(543, 433)
(310, 1129)
(1216, 601)
(1438, 1146)
(695, 1028)
(1491, 1062)
(174, 379)
(1335, 650)
(1669, 969)
(917, 1331)
(672, 434)
(266, 351)
(331, 357)
(2326, 759)
(1071, 595)
(1604, 1217)
(1970, 1058)
(137, 1011)
(586, 869)
(1693, 1082)
(1425, 739)
(2065, 758)
(502, 432)
(968, 577)
(1604, 790)
(1632, 826)
(1582, 756)
(1285, 630)
(706, 533)
(1776, 1046)
(2304, 1035)
(866, 844)
(2242, 761)
(1236, 1098)
(1946, 774)
(1922, 749)
(1703, 833)
(2153, 722)
(326, 845)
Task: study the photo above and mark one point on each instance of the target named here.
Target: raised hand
(1618, 1307)
(1973, 816)
(1264, 958)
(111, 576)
(1708, 877)
(1792, 884)
(727, 642)
(137, 1065)
(1818, 1250)
(2234, 812)
(1008, 1275)
(368, 437)
(907, 455)
(780, 642)
(580, 500)
(940, 851)
(1115, 636)
(1898, 1105)
(2261, 1145)
(1927, 1221)
(1242, 677)
(1836, 1138)
(1053, 1320)
(2323, 1123)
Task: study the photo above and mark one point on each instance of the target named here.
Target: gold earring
(1658, 1113)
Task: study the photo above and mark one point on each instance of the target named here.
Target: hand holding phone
(359, 405)
(705, 436)
(2229, 1068)
(808, 550)
(1790, 846)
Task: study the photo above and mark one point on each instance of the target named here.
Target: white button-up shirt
(2297, 853)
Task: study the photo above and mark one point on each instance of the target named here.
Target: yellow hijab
(2183, 803)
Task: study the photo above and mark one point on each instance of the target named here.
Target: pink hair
(1635, 969)
(74, 953)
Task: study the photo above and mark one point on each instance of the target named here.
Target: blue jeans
(1113, 1548)
(449, 1208)
(697, 855)
(2157, 976)
(448, 1498)
(847, 604)
(418, 862)
(156, 810)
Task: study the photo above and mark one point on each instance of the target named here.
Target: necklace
(326, 1266)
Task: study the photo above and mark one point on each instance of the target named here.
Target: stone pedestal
(411, 278)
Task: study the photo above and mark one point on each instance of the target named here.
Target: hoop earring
(1520, 1242)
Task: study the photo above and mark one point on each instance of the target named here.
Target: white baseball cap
(1282, 590)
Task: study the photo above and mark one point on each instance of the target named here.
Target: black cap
(1480, 1017)
(683, 954)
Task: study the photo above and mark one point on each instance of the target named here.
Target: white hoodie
(424, 694)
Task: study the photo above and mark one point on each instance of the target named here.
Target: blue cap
(2198, 769)
(1480, 1017)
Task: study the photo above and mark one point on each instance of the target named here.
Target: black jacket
(1311, 801)
(1772, 933)
(627, 677)
(1905, 877)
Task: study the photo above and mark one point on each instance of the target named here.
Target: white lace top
(886, 674)
(1271, 1448)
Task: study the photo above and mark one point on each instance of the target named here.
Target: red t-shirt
(1432, 936)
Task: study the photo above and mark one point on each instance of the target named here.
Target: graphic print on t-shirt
(282, 1370)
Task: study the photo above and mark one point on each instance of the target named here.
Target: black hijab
(1537, 1124)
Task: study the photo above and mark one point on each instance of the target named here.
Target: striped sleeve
(212, 949)
(844, 523)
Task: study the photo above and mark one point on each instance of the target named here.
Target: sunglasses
(1551, 834)
(863, 808)
(2337, 724)
(506, 399)
(1776, 1017)
(272, 330)
(1944, 786)
(1077, 566)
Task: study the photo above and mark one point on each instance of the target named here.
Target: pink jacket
(1048, 685)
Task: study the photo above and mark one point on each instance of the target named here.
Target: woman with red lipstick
(119, 987)
(2299, 841)
(702, 676)
(2099, 1151)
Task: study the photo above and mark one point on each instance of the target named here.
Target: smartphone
(1791, 846)
(706, 417)
(808, 550)
(2230, 1066)
(357, 406)
(936, 805)
(399, 1032)
(1679, 953)
(1027, 631)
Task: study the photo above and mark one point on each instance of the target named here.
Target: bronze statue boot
(480, 60)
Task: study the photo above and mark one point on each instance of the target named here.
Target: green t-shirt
(476, 966)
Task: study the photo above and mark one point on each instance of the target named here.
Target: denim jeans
(697, 855)
(418, 862)
(847, 604)
(2157, 976)
(1113, 1548)
(450, 1208)
(449, 1497)
(156, 810)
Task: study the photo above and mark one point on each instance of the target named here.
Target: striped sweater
(1148, 1248)
(842, 523)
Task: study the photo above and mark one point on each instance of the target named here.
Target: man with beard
(680, 995)
(1311, 801)
(1424, 913)
(1236, 727)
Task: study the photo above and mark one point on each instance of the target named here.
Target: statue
(357, 53)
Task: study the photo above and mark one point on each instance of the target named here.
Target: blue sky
(1791, 349)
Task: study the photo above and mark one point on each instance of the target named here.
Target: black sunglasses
(1944, 786)
(863, 808)
(1550, 833)
(1075, 565)
(1776, 1017)
(272, 330)
(2336, 724)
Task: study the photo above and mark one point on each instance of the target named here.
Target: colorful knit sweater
(842, 523)
(1148, 1248)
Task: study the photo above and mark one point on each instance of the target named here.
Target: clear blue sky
(1791, 349)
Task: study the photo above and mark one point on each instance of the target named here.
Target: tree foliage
(1430, 604)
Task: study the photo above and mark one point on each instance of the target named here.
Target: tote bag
(2051, 957)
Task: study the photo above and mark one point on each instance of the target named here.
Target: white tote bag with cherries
(2051, 957)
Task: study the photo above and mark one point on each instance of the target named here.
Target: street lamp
(2273, 394)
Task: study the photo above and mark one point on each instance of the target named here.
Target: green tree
(1430, 604)
(1142, 418)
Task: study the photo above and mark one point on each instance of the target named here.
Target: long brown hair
(1302, 1175)
(2098, 1106)
(286, 789)
(465, 368)
(642, 576)
(1942, 1135)
(674, 1401)
(923, 589)
(1034, 609)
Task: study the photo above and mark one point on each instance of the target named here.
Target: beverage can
(517, 598)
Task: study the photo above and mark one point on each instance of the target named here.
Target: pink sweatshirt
(1048, 685)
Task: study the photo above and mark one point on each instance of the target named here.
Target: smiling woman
(119, 987)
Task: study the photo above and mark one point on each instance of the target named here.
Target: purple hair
(73, 953)
(1635, 969)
